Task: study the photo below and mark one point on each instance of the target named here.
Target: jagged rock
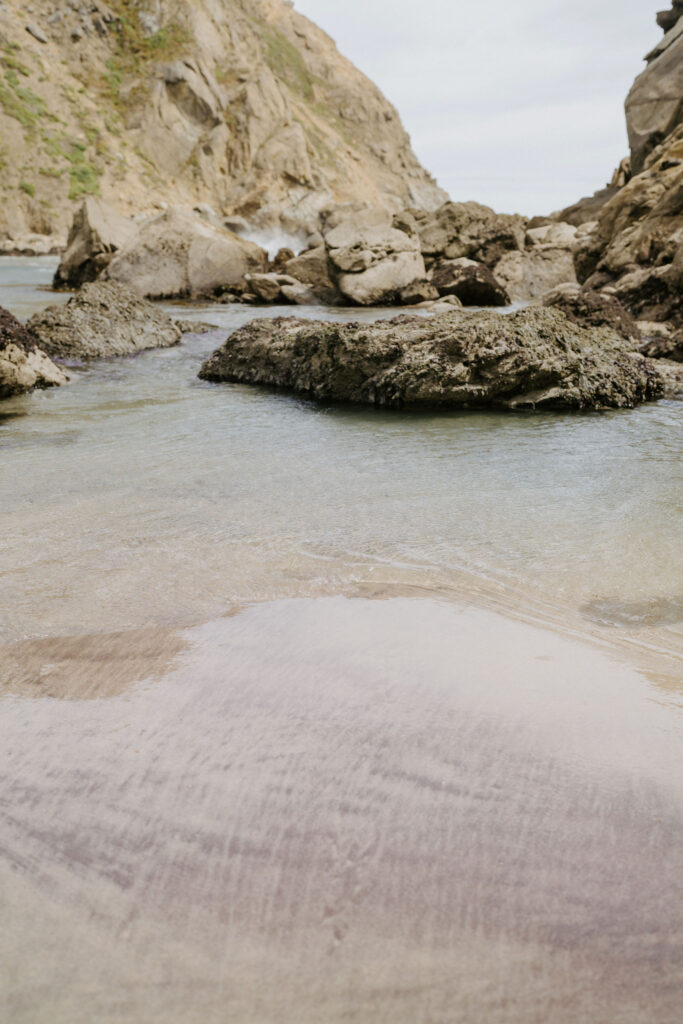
(469, 229)
(535, 358)
(653, 106)
(23, 366)
(528, 275)
(653, 293)
(178, 254)
(311, 269)
(472, 282)
(667, 19)
(591, 309)
(104, 318)
(97, 232)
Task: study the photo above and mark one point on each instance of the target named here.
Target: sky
(518, 104)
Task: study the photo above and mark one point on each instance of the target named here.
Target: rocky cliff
(241, 104)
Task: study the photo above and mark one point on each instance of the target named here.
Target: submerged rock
(23, 366)
(534, 358)
(102, 319)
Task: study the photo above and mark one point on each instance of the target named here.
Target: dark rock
(102, 319)
(278, 263)
(535, 358)
(420, 291)
(593, 309)
(311, 268)
(472, 230)
(473, 283)
(97, 232)
(670, 347)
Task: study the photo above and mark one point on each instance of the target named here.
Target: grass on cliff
(285, 61)
(135, 50)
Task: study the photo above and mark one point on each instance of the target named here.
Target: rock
(280, 260)
(591, 309)
(311, 269)
(23, 366)
(179, 254)
(97, 232)
(470, 229)
(652, 293)
(418, 293)
(528, 275)
(556, 235)
(37, 33)
(104, 318)
(237, 225)
(586, 209)
(32, 245)
(195, 326)
(299, 294)
(653, 106)
(667, 19)
(472, 282)
(372, 261)
(534, 358)
(665, 347)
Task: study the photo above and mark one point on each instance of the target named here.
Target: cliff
(241, 104)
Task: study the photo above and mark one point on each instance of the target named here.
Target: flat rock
(535, 358)
(103, 319)
(23, 366)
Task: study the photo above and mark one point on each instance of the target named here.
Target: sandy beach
(339, 810)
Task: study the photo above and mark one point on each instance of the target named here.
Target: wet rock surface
(103, 319)
(23, 366)
(535, 358)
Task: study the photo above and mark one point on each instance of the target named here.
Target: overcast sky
(515, 103)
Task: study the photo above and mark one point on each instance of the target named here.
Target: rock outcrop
(244, 105)
(472, 282)
(101, 320)
(633, 248)
(23, 366)
(535, 358)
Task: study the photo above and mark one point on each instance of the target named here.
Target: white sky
(514, 103)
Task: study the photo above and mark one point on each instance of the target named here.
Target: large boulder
(311, 269)
(373, 262)
(97, 232)
(529, 274)
(469, 229)
(534, 358)
(472, 282)
(23, 366)
(179, 254)
(103, 319)
(592, 309)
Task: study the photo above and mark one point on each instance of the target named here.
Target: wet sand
(339, 810)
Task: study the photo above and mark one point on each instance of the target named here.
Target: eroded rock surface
(97, 232)
(103, 319)
(535, 358)
(593, 309)
(23, 366)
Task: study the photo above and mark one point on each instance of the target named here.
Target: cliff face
(242, 104)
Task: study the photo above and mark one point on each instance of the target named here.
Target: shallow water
(334, 715)
(142, 495)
